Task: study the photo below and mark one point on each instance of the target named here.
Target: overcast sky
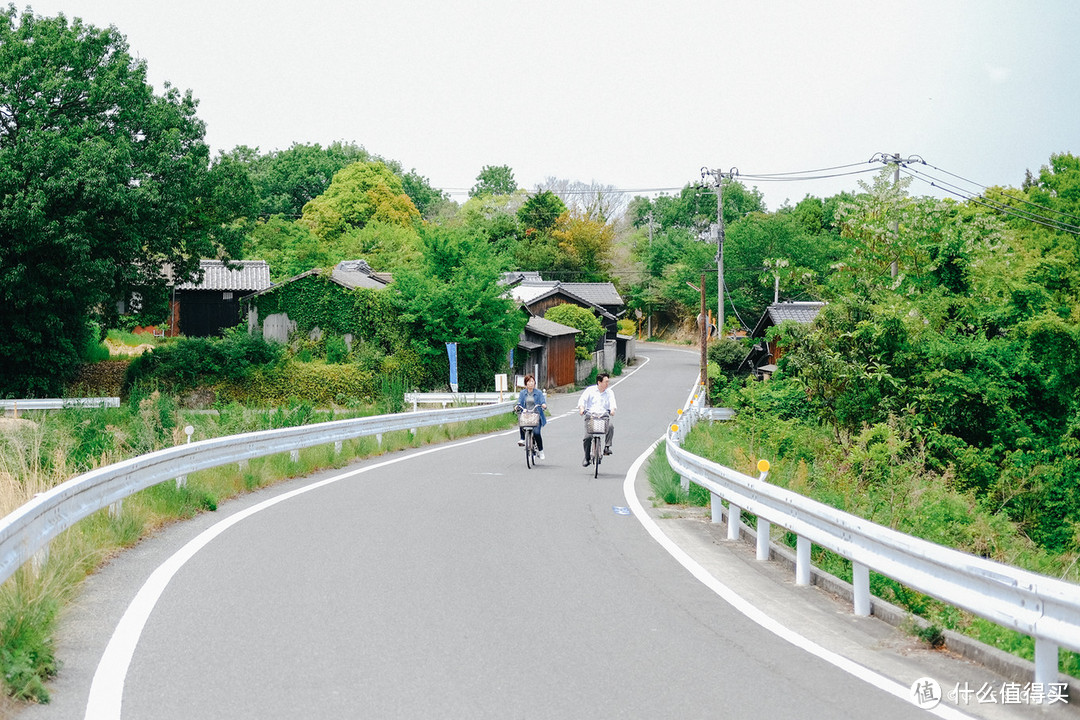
(638, 95)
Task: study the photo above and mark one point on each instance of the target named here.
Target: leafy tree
(288, 247)
(541, 211)
(581, 319)
(585, 247)
(286, 180)
(103, 184)
(494, 180)
(360, 193)
(453, 295)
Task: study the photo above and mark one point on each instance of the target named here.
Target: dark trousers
(538, 439)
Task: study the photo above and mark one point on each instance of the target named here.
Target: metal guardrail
(30, 528)
(1043, 607)
(58, 403)
(444, 399)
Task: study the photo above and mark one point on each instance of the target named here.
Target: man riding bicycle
(597, 399)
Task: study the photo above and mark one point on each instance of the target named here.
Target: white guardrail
(450, 398)
(58, 403)
(30, 528)
(1043, 607)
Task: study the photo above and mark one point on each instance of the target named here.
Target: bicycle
(597, 426)
(527, 421)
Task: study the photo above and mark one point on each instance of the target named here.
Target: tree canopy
(494, 180)
(103, 185)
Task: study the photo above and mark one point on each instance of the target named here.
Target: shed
(212, 305)
(763, 356)
(540, 296)
(546, 349)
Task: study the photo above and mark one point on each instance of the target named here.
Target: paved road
(452, 582)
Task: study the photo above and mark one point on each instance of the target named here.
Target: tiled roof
(599, 293)
(358, 274)
(253, 275)
(549, 328)
(803, 312)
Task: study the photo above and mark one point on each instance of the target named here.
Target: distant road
(445, 582)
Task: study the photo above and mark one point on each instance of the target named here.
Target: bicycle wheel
(528, 448)
(596, 453)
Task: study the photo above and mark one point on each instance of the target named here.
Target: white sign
(500, 383)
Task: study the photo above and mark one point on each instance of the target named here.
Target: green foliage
(188, 362)
(286, 180)
(582, 319)
(93, 148)
(360, 193)
(316, 383)
(727, 353)
(540, 212)
(315, 301)
(494, 180)
(454, 296)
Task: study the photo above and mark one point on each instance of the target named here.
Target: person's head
(530, 382)
(602, 380)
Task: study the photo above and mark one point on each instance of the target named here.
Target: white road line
(753, 613)
(107, 688)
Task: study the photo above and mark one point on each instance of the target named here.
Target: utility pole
(718, 229)
(895, 267)
(703, 326)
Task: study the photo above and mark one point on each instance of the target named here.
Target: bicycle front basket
(528, 419)
(597, 425)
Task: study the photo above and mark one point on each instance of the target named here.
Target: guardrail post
(734, 520)
(764, 529)
(181, 481)
(717, 508)
(116, 508)
(802, 561)
(242, 465)
(337, 447)
(684, 483)
(38, 559)
(860, 579)
(294, 455)
(378, 439)
(1046, 661)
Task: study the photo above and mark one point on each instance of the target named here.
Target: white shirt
(595, 402)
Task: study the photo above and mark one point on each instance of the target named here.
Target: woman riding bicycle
(532, 399)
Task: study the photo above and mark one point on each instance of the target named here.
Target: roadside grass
(51, 448)
(894, 491)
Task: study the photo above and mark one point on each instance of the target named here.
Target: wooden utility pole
(703, 321)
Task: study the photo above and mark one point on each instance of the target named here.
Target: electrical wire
(981, 199)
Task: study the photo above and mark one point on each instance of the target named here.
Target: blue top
(533, 401)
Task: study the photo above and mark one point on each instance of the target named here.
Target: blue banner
(451, 350)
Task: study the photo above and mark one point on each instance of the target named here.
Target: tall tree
(360, 193)
(286, 180)
(103, 184)
(453, 295)
(494, 180)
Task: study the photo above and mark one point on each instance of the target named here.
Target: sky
(636, 95)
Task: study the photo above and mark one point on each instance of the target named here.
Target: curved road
(446, 582)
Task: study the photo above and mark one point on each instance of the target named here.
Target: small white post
(1046, 661)
(764, 529)
(182, 480)
(802, 561)
(378, 439)
(684, 483)
(717, 508)
(860, 579)
(294, 455)
(337, 447)
(734, 520)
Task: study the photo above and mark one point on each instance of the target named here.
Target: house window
(226, 296)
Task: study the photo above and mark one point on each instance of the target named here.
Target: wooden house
(762, 359)
(546, 350)
(211, 305)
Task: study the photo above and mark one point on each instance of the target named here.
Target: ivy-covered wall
(316, 301)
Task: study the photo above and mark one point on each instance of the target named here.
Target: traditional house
(762, 359)
(211, 305)
(546, 350)
(539, 296)
(264, 316)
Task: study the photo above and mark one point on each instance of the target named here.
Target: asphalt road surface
(449, 582)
